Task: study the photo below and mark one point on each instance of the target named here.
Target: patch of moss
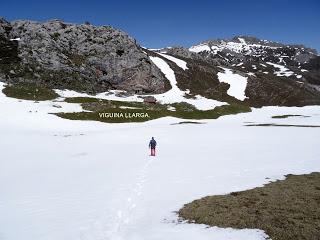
(77, 59)
(55, 36)
(285, 210)
(29, 92)
(82, 100)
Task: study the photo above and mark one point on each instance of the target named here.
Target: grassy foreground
(104, 111)
(285, 210)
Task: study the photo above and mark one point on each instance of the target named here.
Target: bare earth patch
(285, 210)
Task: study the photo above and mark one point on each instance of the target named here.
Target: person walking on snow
(152, 146)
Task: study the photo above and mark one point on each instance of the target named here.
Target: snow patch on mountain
(200, 48)
(283, 71)
(237, 83)
(177, 95)
(182, 64)
(242, 46)
(15, 39)
(242, 40)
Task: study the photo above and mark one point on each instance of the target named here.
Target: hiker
(152, 146)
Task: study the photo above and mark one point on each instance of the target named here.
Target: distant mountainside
(277, 74)
(96, 59)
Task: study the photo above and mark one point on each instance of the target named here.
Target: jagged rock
(80, 57)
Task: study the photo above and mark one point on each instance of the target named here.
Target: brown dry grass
(285, 210)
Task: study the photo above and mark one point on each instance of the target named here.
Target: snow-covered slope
(71, 180)
(182, 64)
(177, 95)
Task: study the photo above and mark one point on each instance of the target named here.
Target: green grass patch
(119, 112)
(285, 210)
(82, 100)
(91, 103)
(29, 92)
(287, 116)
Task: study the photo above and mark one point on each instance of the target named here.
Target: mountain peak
(247, 45)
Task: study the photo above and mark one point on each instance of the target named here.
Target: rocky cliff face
(80, 57)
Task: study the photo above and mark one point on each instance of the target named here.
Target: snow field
(71, 180)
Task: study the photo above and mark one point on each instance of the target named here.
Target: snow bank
(237, 83)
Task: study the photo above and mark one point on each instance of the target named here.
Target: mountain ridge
(249, 39)
(92, 59)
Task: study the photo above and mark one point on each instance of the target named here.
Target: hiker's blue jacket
(152, 143)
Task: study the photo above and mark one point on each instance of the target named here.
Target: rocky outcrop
(80, 57)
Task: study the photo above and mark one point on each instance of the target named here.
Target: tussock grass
(285, 210)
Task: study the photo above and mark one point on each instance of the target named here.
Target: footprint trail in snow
(125, 214)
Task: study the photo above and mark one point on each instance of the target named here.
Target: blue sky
(156, 23)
